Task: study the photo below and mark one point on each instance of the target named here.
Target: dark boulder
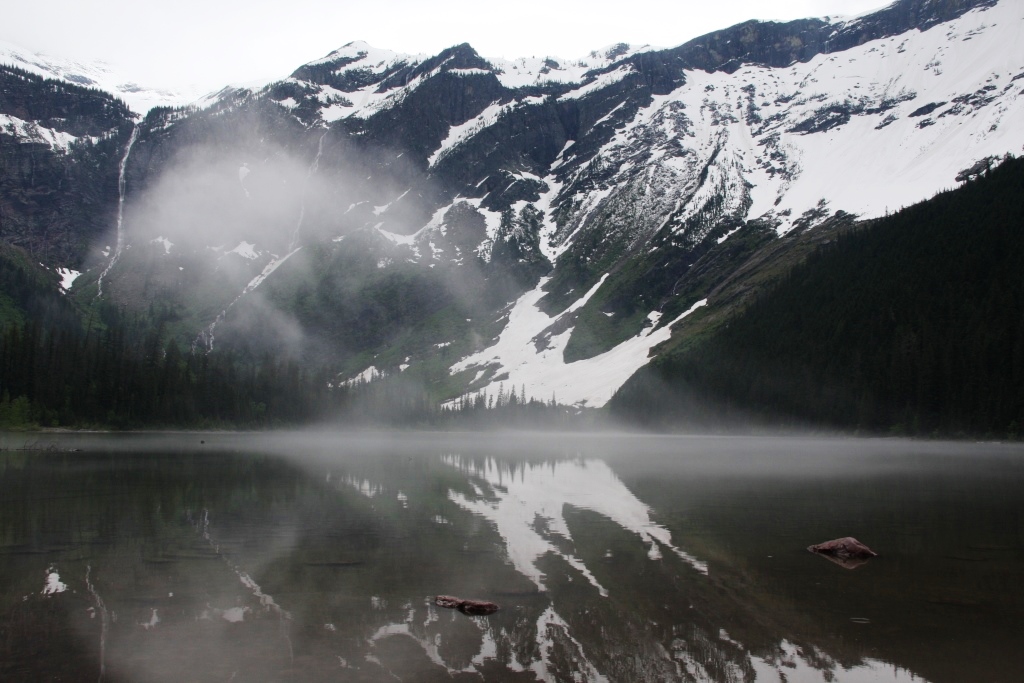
(847, 552)
(474, 608)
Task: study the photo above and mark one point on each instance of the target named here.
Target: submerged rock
(470, 607)
(847, 552)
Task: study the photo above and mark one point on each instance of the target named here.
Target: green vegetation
(670, 278)
(68, 364)
(121, 377)
(912, 325)
(62, 366)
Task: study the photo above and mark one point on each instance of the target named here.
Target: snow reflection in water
(792, 664)
(554, 641)
(53, 583)
(527, 507)
(273, 571)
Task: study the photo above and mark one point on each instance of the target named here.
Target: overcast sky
(209, 43)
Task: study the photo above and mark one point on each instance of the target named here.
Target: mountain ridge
(415, 215)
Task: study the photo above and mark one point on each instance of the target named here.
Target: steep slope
(473, 223)
(58, 165)
(914, 324)
(30, 293)
(864, 132)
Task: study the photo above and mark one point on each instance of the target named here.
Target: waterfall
(119, 246)
(302, 207)
(205, 338)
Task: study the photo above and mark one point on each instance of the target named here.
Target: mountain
(97, 75)
(59, 144)
(910, 324)
(538, 226)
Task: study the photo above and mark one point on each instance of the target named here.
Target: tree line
(123, 377)
(102, 367)
(913, 325)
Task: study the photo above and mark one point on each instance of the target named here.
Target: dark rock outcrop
(56, 200)
(475, 608)
(847, 552)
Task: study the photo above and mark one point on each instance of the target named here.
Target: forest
(912, 324)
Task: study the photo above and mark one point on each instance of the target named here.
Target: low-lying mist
(205, 229)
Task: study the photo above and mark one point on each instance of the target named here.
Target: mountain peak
(361, 51)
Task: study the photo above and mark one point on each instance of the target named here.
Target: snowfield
(544, 373)
(866, 131)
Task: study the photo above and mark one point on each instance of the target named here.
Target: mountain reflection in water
(307, 559)
(527, 503)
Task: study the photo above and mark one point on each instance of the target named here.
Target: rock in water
(477, 608)
(470, 607)
(847, 552)
(449, 601)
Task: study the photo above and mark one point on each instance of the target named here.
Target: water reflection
(792, 664)
(527, 502)
(321, 561)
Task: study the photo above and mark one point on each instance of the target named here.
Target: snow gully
(121, 188)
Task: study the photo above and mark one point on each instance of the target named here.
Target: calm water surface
(292, 557)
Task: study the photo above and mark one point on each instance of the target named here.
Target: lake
(318, 557)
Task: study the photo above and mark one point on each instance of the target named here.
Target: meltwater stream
(305, 557)
(205, 338)
(121, 191)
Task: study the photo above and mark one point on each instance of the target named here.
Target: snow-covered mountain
(539, 224)
(139, 97)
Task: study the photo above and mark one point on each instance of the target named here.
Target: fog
(744, 456)
(266, 239)
(233, 206)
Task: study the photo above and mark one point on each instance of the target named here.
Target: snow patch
(53, 583)
(154, 619)
(600, 82)
(164, 242)
(31, 132)
(246, 250)
(544, 372)
(234, 615)
(464, 131)
(67, 277)
(368, 375)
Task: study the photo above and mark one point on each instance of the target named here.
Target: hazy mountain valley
(406, 238)
(449, 368)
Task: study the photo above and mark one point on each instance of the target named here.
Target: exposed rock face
(59, 147)
(409, 199)
(847, 552)
(476, 608)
